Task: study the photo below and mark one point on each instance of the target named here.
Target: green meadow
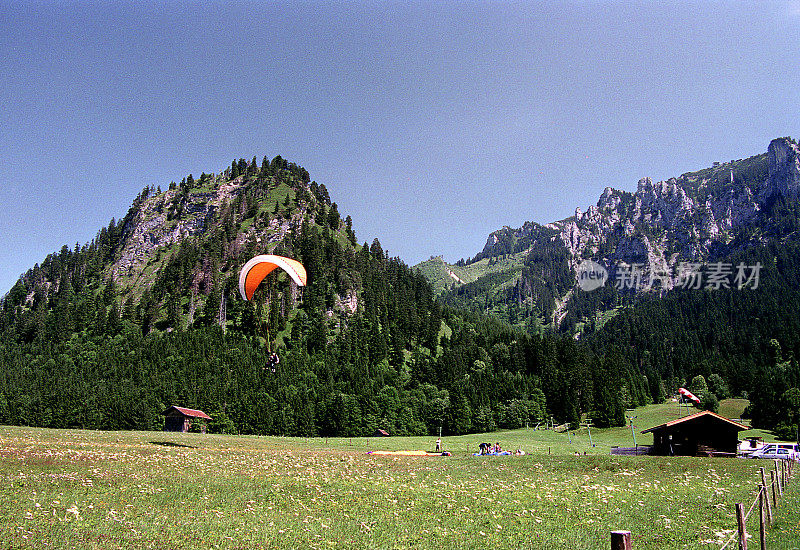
(85, 489)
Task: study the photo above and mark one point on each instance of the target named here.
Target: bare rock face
(662, 205)
(678, 220)
(784, 167)
(149, 228)
(609, 200)
(347, 303)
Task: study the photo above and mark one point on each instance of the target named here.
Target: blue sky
(431, 123)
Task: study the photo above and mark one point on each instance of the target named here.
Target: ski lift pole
(633, 433)
(589, 429)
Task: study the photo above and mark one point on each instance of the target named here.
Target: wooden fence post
(766, 496)
(741, 526)
(762, 528)
(784, 472)
(774, 489)
(621, 540)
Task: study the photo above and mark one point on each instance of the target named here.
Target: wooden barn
(179, 419)
(701, 434)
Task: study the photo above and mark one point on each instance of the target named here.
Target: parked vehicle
(748, 446)
(786, 451)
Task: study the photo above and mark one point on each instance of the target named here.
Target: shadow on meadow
(171, 444)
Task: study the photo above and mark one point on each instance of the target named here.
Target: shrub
(709, 402)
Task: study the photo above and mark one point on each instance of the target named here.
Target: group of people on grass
(496, 449)
(488, 448)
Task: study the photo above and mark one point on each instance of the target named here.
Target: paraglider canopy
(259, 267)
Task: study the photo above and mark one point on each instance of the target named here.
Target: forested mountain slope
(147, 315)
(108, 334)
(702, 279)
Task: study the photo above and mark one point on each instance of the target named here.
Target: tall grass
(81, 489)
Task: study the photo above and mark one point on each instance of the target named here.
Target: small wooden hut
(702, 434)
(179, 419)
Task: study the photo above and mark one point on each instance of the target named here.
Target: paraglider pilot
(272, 362)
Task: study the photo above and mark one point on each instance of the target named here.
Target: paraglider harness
(272, 362)
(272, 359)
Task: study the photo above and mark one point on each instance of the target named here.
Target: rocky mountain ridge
(654, 238)
(176, 254)
(685, 219)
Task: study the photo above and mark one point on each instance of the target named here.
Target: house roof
(194, 413)
(694, 417)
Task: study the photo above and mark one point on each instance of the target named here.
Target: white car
(786, 451)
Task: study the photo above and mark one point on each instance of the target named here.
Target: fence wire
(761, 489)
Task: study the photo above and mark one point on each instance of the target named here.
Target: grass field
(82, 489)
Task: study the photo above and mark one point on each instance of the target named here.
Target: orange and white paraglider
(256, 269)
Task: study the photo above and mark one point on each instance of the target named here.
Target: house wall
(698, 437)
(175, 424)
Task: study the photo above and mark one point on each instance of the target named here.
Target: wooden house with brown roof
(702, 434)
(179, 419)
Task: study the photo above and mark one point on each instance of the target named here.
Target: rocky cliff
(158, 221)
(686, 219)
(784, 168)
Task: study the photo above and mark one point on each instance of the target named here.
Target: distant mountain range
(651, 240)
